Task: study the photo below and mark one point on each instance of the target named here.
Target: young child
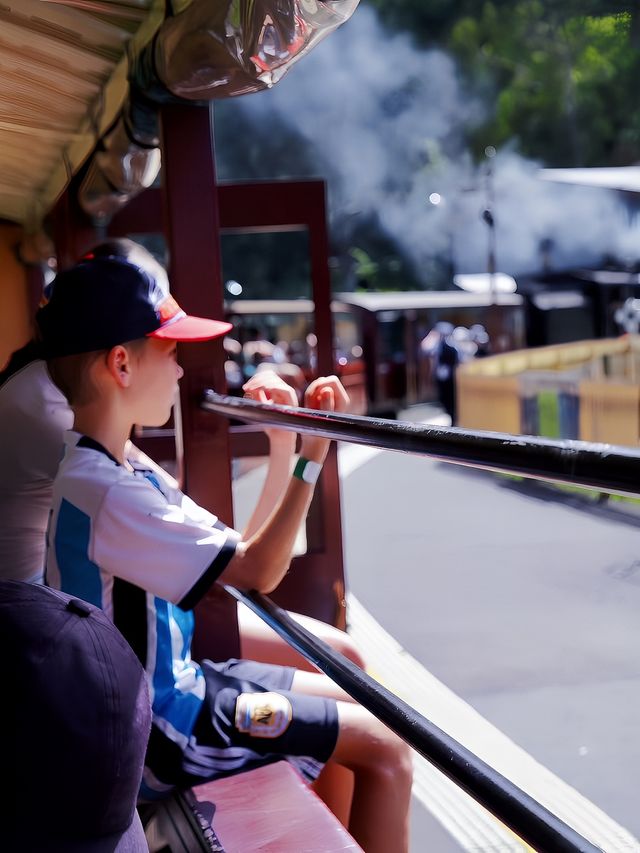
(146, 554)
(34, 415)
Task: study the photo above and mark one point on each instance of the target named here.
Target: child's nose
(179, 371)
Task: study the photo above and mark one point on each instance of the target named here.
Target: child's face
(155, 382)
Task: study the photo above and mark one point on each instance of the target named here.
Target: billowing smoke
(385, 125)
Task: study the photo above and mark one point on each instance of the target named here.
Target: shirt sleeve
(175, 550)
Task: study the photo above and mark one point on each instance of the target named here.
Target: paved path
(522, 601)
(507, 613)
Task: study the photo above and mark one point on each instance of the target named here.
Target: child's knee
(396, 755)
(339, 640)
(365, 742)
(346, 646)
(403, 761)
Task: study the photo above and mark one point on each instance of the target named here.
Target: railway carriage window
(268, 290)
(154, 243)
(268, 299)
(391, 335)
(267, 265)
(347, 337)
(265, 336)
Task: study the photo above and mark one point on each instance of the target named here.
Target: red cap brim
(191, 329)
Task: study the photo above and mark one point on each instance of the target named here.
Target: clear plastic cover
(207, 49)
(216, 49)
(117, 173)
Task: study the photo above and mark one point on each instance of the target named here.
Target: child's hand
(267, 387)
(326, 393)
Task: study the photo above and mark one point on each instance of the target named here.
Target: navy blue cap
(103, 301)
(74, 725)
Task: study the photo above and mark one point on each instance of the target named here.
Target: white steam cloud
(385, 121)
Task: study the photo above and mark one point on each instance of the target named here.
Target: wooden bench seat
(270, 809)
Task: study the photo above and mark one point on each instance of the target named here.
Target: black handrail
(531, 821)
(560, 461)
(604, 467)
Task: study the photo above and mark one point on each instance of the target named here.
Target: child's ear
(119, 365)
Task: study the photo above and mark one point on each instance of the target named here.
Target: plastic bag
(215, 49)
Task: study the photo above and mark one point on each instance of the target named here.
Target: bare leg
(382, 768)
(260, 642)
(334, 786)
(318, 684)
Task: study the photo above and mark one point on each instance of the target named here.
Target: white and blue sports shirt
(145, 554)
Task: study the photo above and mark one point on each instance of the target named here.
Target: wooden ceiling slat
(106, 28)
(14, 146)
(60, 64)
(16, 180)
(33, 130)
(14, 72)
(66, 26)
(106, 9)
(53, 51)
(30, 106)
(57, 99)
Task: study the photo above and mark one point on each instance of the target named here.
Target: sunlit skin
(134, 385)
(154, 383)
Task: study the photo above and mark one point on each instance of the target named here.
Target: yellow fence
(597, 382)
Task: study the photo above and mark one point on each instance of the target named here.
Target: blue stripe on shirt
(179, 707)
(78, 574)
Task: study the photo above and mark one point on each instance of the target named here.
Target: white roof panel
(607, 177)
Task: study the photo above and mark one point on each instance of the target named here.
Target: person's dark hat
(74, 722)
(105, 300)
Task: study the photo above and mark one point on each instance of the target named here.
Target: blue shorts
(251, 717)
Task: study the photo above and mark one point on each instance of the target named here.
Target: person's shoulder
(92, 481)
(86, 459)
(32, 375)
(80, 485)
(33, 417)
(143, 473)
(19, 360)
(31, 389)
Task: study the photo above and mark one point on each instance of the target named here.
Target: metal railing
(606, 468)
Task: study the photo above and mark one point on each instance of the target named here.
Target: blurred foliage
(267, 265)
(548, 413)
(562, 76)
(364, 268)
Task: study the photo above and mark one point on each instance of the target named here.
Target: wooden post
(192, 230)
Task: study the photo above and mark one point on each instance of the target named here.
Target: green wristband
(307, 470)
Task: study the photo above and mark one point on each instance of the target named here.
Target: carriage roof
(62, 82)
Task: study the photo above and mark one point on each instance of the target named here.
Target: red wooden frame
(191, 210)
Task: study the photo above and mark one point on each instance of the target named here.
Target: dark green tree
(560, 77)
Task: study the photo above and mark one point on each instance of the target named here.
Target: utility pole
(488, 218)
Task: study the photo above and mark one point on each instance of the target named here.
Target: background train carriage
(377, 337)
